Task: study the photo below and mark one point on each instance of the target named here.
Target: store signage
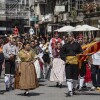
(59, 8)
(34, 18)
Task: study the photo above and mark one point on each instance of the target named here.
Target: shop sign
(34, 18)
(49, 28)
(59, 8)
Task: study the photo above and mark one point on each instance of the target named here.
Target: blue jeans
(95, 75)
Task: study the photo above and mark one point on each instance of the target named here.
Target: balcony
(92, 14)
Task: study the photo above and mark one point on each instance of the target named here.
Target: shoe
(80, 89)
(70, 94)
(85, 87)
(7, 89)
(1, 92)
(77, 87)
(60, 86)
(57, 85)
(98, 88)
(74, 93)
(93, 88)
(26, 94)
(12, 88)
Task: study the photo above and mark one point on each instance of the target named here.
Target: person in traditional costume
(28, 78)
(58, 69)
(69, 53)
(1, 61)
(95, 69)
(17, 78)
(10, 52)
(15, 31)
(52, 43)
(37, 50)
(85, 68)
(64, 39)
(45, 56)
(1, 56)
(82, 71)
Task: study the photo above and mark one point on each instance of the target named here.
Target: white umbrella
(65, 29)
(86, 28)
(78, 26)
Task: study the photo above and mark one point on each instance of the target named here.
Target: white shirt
(9, 49)
(31, 31)
(96, 58)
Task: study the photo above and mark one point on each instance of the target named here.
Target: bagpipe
(88, 50)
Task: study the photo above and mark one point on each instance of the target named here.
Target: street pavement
(48, 91)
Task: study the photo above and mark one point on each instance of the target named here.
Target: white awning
(65, 29)
(85, 28)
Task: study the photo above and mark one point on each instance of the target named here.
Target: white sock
(81, 82)
(7, 81)
(11, 80)
(74, 83)
(60, 82)
(69, 84)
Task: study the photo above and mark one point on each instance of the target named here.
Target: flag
(89, 50)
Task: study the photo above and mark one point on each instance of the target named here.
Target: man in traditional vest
(10, 52)
(53, 42)
(69, 53)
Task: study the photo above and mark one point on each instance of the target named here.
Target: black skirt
(46, 58)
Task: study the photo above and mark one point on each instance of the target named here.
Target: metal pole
(29, 13)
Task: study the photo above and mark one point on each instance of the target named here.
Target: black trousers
(83, 69)
(10, 67)
(72, 71)
(95, 75)
(0, 68)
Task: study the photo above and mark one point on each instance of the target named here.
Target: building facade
(56, 13)
(15, 12)
(48, 15)
(2, 16)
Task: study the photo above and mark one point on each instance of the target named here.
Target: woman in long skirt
(28, 79)
(58, 69)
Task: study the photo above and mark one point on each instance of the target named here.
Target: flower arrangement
(91, 7)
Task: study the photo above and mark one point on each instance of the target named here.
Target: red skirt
(88, 74)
